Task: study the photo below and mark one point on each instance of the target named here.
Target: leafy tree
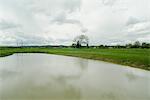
(137, 44)
(81, 40)
(101, 46)
(145, 45)
(129, 45)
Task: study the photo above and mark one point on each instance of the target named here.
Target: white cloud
(59, 21)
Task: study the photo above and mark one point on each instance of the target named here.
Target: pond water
(53, 77)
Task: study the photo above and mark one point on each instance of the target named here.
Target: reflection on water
(52, 77)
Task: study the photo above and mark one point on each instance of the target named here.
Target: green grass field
(139, 58)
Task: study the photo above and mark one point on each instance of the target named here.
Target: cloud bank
(39, 22)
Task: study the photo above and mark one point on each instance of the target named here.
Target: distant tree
(118, 46)
(137, 44)
(81, 40)
(145, 45)
(101, 46)
(106, 46)
(73, 45)
(19, 43)
(78, 44)
(128, 45)
(87, 45)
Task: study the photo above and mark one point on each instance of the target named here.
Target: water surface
(52, 77)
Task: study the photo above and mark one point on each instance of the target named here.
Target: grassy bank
(139, 58)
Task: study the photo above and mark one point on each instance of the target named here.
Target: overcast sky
(39, 22)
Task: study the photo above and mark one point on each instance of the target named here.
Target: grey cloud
(20, 38)
(136, 28)
(4, 25)
(139, 27)
(72, 21)
(84, 30)
(108, 2)
(57, 11)
(8, 42)
(32, 39)
(49, 6)
(134, 20)
(72, 5)
(23, 39)
(110, 41)
(64, 41)
(61, 19)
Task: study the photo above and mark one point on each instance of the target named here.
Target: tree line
(83, 41)
(136, 44)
